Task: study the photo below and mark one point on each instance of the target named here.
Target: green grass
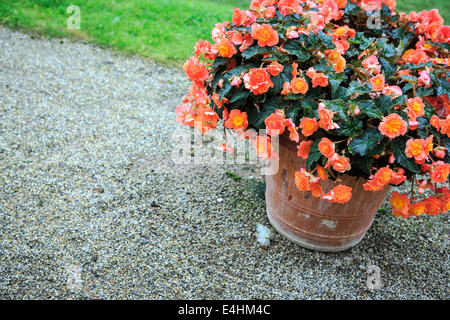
(163, 30)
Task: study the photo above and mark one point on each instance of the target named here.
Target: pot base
(305, 243)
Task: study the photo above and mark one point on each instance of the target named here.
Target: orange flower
(382, 177)
(326, 118)
(377, 82)
(341, 3)
(275, 124)
(446, 203)
(393, 126)
(225, 48)
(341, 164)
(400, 204)
(308, 126)
(322, 173)
(340, 65)
(445, 126)
(195, 70)
(326, 147)
(373, 185)
(415, 148)
(263, 147)
(274, 68)
(339, 194)
(416, 108)
(303, 149)
(257, 80)
(293, 133)
(415, 56)
(205, 120)
(288, 7)
(318, 78)
(286, 89)
(302, 181)
(433, 206)
(440, 171)
(299, 85)
(265, 35)
(397, 177)
(316, 189)
(343, 32)
(435, 122)
(237, 120)
(417, 208)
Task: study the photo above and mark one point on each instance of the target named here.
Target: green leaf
(256, 50)
(387, 66)
(338, 106)
(314, 155)
(369, 108)
(398, 148)
(240, 95)
(384, 103)
(295, 48)
(219, 61)
(356, 87)
(326, 40)
(365, 143)
(225, 89)
(351, 129)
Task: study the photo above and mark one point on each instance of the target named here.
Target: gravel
(87, 184)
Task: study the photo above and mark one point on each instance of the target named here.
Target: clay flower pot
(311, 222)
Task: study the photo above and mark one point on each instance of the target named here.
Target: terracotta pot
(311, 222)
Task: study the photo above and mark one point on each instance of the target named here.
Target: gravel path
(86, 182)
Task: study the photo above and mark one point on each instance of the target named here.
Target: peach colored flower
(293, 133)
(326, 118)
(275, 124)
(316, 189)
(339, 194)
(257, 80)
(341, 164)
(195, 70)
(225, 48)
(415, 148)
(317, 78)
(302, 181)
(416, 108)
(400, 204)
(263, 147)
(322, 173)
(299, 85)
(275, 68)
(326, 147)
(372, 65)
(304, 148)
(288, 7)
(308, 126)
(433, 206)
(377, 82)
(440, 171)
(237, 120)
(417, 208)
(265, 35)
(393, 126)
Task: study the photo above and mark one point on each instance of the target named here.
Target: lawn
(163, 30)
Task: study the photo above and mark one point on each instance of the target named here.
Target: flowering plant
(362, 89)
